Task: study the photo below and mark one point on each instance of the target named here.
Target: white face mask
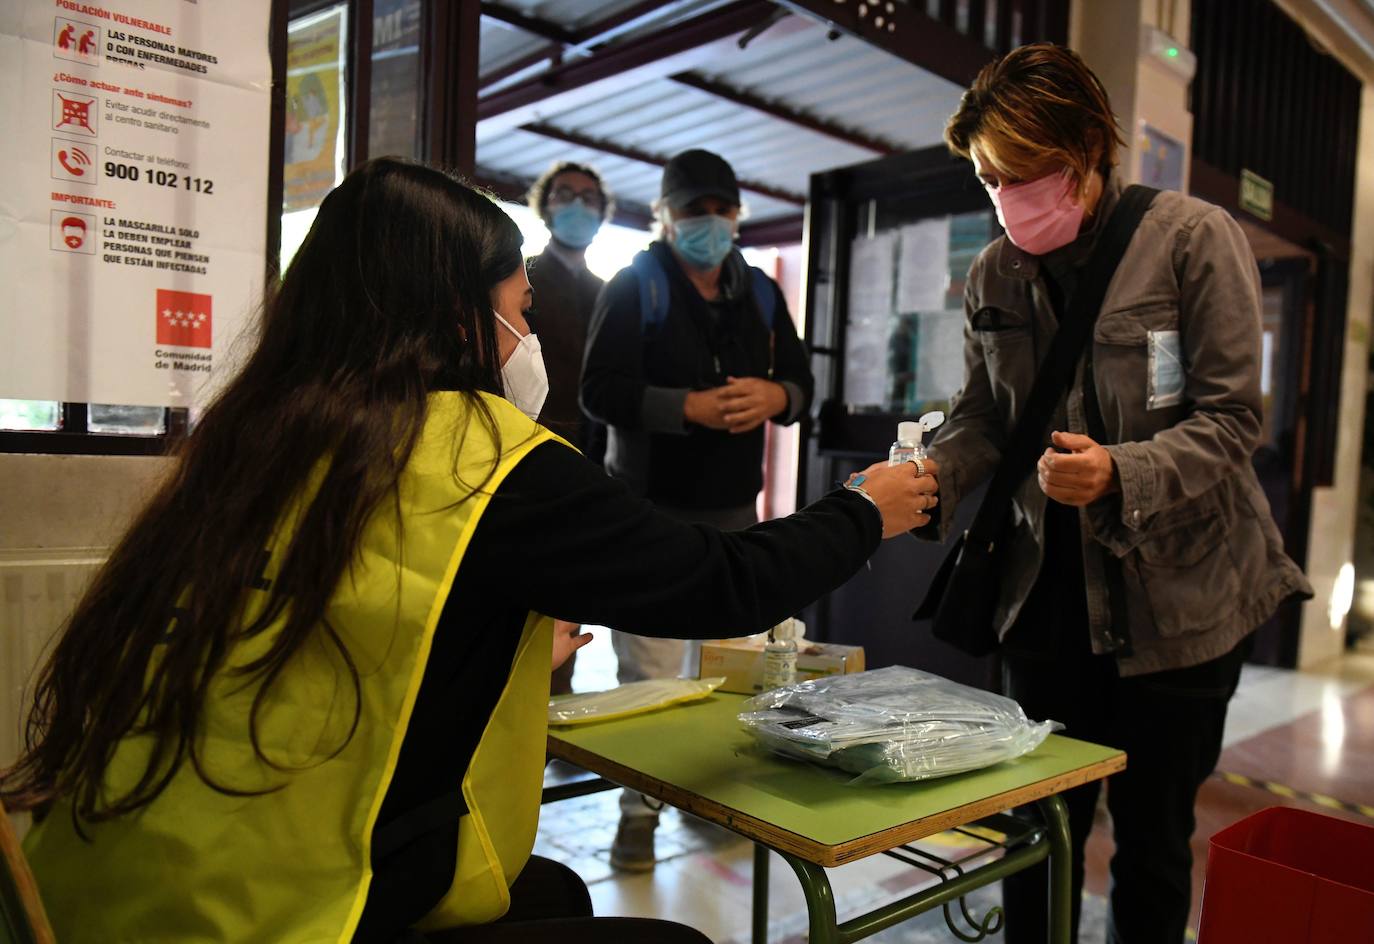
(523, 376)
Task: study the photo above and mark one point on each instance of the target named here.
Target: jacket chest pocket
(1009, 353)
(1140, 369)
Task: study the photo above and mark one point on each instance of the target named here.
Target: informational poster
(133, 195)
(314, 70)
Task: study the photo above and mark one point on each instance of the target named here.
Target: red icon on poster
(75, 114)
(74, 163)
(183, 318)
(77, 41)
(74, 160)
(73, 232)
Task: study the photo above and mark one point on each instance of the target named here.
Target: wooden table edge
(828, 856)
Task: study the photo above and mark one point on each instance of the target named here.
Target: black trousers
(1170, 726)
(549, 903)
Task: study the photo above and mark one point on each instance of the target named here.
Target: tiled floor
(1310, 733)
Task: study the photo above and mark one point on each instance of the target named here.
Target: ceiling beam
(801, 119)
(593, 34)
(553, 32)
(904, 31)
(617, 59)
(645, 157)
(781, 231)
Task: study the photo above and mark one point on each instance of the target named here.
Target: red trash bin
(1290, 876)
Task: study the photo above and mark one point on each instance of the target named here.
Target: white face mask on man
(523, 376)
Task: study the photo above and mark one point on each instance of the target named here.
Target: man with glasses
(573, 203)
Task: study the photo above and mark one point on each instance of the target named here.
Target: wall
(1107, 34)
(60, 516)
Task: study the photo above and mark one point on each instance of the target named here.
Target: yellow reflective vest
(294, 864)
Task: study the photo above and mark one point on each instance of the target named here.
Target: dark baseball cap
(697, 173)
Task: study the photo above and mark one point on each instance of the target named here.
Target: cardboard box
(740, 662)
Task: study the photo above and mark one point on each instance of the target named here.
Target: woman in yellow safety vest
(305, 699)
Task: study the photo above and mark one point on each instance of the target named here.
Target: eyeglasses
(563, 195)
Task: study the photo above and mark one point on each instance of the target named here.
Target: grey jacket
(1176, 365)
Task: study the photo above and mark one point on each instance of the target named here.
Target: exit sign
(1256, 195)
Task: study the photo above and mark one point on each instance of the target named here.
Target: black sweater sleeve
(573, 543)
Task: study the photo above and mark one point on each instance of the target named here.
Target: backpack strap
(654, 298)
(764, 295)
(653, 291)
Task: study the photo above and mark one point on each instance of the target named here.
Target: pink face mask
(1040, 215)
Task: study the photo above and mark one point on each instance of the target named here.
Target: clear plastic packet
(893, 724)
(630, 699)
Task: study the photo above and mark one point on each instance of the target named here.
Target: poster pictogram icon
(76, 41)
(183, 318)
(73, 232)
(74, 113)
(73, 162)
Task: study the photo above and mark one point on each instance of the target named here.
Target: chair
(22, 918)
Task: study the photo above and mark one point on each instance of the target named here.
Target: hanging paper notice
(133, 195)
(867, 372)
(940, 355)
(313, 64)
(923, 266)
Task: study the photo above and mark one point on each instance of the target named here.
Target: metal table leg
(1061, 882)
(820, 900)
(760, 894)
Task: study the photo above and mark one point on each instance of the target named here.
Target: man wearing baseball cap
(690, 352)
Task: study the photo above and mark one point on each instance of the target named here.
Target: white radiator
(38, 590)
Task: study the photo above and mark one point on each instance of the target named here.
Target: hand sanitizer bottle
(910, 436)
(908, 445)
(780, 656)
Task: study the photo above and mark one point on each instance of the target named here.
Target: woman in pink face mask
(1137, 552)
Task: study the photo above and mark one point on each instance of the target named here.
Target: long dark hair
(387, 300)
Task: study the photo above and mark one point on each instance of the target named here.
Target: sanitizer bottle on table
(780, 655)
(909, 444)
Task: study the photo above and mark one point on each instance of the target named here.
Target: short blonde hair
(1037, 108)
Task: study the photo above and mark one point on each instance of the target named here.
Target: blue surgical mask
(575, 225)
(704, 241)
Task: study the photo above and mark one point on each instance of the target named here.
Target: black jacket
(563, 304)
(637, 384)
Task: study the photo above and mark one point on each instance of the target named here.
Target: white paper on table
(872, 274)
(923, 266)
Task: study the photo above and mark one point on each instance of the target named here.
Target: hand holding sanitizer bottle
(910, 436)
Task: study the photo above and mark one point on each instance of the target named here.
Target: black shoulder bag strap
(963, 597)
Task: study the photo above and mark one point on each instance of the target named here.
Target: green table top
(697, 757)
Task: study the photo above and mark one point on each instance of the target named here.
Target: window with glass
(315, 152)
(394, 114)
(904, 337)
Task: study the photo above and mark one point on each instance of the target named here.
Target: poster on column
(133, 195)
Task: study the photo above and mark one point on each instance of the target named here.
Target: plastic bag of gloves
(894, 724)
(631, 698)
